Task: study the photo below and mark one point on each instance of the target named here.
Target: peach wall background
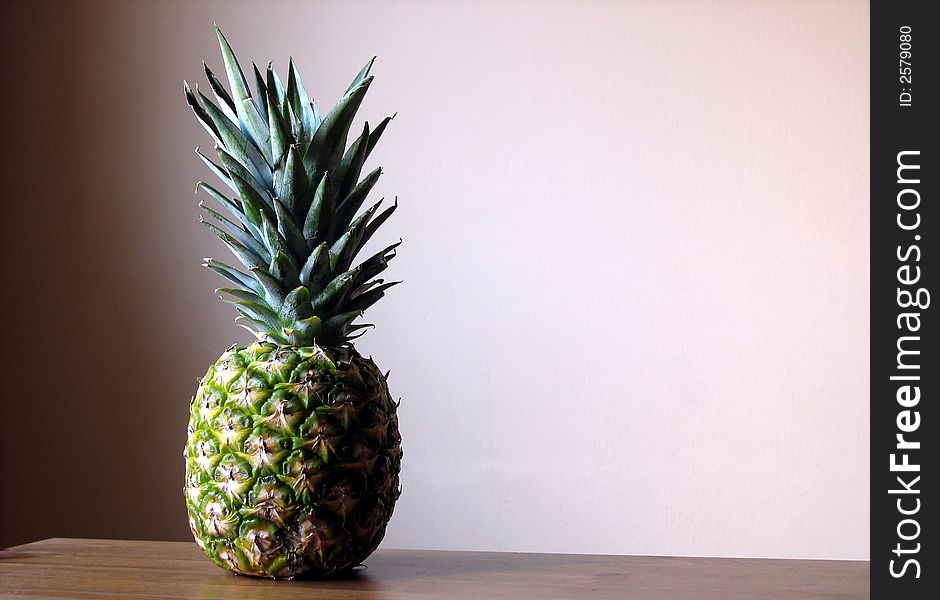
(635, 311)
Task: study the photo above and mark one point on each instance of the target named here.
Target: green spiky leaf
(333, 293)
(328, 143)
(249, 220)
(280, 130)
(256, 126)
(243, 237)
(347, 173)
(374, 225)
(236, 78)
(320, 216)
(285, 269)
(237, 144)
(273, 290)
(367, 299)
(201, 115)
(361, 76)
(296, 305)
(298, 98)
(287, 228)
(290, 183)
(344, 250)
(350, 205)
(261, 92)
(341, 321)
(375, 264)
(225, 101)
(259, 312)
(274, 83)
(240, 294)
(245, 182)
(316, 269)
(377, 134)
(217, 170)
(248, 258)
(232, 274)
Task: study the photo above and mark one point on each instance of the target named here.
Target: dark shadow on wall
(83, 408)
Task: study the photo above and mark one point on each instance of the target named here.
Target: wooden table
(94, 569)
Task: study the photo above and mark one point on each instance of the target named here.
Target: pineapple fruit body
(292, 460)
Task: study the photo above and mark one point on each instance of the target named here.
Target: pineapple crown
(297, 194)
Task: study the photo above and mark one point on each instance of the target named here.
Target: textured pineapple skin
(292, 460)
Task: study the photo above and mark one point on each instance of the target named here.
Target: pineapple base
(292, 460)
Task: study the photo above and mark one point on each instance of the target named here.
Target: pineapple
(293, 451)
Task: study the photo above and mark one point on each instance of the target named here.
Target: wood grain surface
(95, 569)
